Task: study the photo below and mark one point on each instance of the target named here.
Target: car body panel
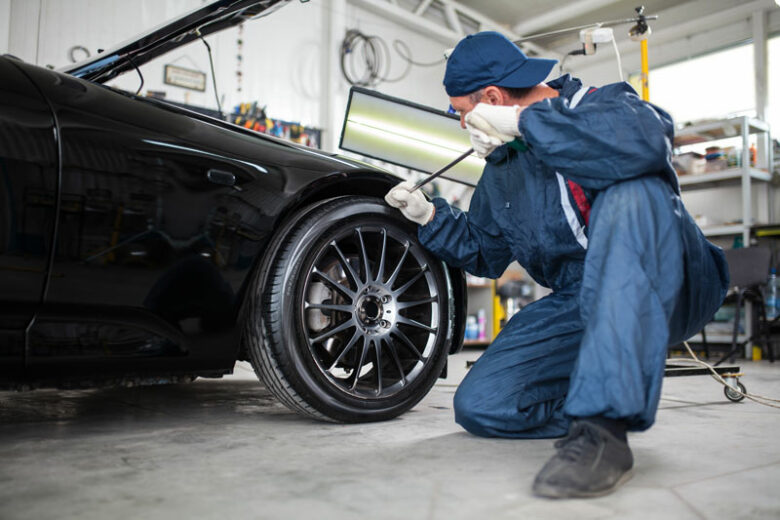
(151, 220)
(28, 181)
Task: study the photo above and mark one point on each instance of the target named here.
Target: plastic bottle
(472, 329)
(772, 295)
(753, 154)
(481, 324)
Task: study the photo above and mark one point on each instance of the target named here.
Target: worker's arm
(471, 241)
(612, 135)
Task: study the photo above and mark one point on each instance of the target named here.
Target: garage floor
(226, 449)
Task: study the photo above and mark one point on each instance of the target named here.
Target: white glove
(482, 143)
(490, 126)
(412, 204)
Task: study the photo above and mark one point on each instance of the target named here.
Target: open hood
(203, 21)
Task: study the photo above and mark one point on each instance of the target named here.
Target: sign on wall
(185, 78)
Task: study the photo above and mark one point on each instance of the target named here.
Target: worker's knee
(469, 412)
(502, 418)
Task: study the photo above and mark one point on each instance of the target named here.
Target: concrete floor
(226, 449)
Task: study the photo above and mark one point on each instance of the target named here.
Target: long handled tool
(442, 170)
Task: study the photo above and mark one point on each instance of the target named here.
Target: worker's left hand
(490, 126)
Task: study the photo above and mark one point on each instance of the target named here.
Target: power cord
(365, 59)
(617, 56)
(760, 399)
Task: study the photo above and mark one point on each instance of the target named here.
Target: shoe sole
(546, 491)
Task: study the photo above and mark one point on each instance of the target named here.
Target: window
(716, 85)
(773, 110)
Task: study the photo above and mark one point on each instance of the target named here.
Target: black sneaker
(590, 462)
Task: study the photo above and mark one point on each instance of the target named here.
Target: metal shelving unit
(745, 176)
(481, 295)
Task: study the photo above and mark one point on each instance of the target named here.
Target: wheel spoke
(332, 332)
(366, 267)
(346, 349)
(411, 282)
(329, 307)
(378, 353)
(405, 341)
(380, 272)
(359, 366)
(334, 284)
(396, 360)
(345, 263)
(414, 303)
(397, 270)
(417, 324)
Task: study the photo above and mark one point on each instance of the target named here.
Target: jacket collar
(566, 86)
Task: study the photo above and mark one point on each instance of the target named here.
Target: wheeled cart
(730, 374)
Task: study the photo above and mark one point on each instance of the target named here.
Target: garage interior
(227, 447)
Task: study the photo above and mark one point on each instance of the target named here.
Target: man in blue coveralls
(580, 190)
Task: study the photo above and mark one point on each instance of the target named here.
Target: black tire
(733, 396)
(349, 319)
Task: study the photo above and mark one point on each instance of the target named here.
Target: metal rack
(744, 175)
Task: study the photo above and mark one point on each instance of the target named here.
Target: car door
(155, 238)
(28, 181)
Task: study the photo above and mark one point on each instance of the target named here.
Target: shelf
(720, 231)
(718, 338)
(479, 285)
(732, 176)
(475, 343)
(714, 130)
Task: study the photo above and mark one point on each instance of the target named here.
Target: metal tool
(441, 170)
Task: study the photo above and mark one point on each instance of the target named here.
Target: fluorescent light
(407, 134)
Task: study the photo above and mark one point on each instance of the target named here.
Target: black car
(141, 242)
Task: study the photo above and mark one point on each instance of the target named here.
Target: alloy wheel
(369, 311)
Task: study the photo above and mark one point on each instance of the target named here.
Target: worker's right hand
(490, 126)
(412, 204)
(482, 143)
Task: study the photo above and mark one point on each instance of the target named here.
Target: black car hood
(205, 20)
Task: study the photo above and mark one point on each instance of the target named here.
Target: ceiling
(531, 17)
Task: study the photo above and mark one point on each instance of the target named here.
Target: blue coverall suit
(630, 278)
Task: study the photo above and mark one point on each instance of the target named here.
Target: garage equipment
(733, 389)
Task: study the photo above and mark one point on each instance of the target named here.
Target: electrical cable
(406, 55)
(139, 73)
(365, 59)
(572, 53)
(617, 56)
(213, 76)
(355, 42)
(760, 399)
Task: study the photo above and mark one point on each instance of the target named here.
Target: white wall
(282, 54)
(5, 24)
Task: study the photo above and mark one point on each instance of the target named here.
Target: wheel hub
(375, 310)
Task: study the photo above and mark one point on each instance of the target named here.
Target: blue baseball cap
(489, 58)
